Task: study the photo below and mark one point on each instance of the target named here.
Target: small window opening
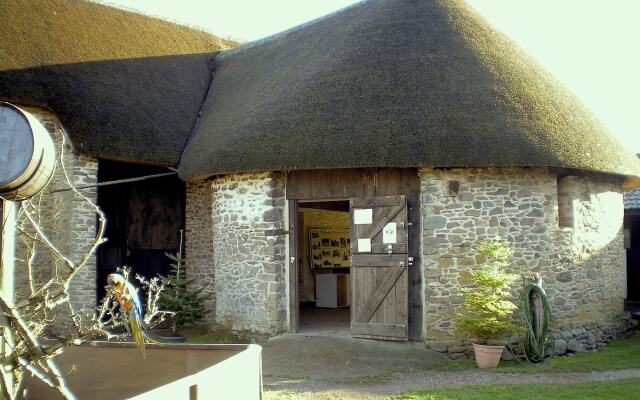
(565, 202)
(453, 188)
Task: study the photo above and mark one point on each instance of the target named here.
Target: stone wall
(68, 220)
(581, 266)
(199, 241)
(588, 290)
(249, 251)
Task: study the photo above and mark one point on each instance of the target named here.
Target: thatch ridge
(398, 83)
(126, 86)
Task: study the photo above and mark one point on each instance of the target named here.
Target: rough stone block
(466, 196)
(560, 346)
(574, 345)
(507, 355)
(565, 276)
(440, 347)
(434, 222)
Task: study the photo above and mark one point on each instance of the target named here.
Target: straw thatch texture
(400, 83)
(125, 86)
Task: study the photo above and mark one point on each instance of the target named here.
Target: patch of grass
(279, 395)
(622, 389)
(619, 354)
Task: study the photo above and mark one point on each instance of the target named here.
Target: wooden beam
(294, 295)
(378, 260)
(376, 330)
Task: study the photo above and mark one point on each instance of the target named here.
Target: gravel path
(337, 368)
(374, 389)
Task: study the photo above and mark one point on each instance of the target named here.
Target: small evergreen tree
(486, 311)
(178, 295)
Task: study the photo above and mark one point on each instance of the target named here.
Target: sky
(592, 46)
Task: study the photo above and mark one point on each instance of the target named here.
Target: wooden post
(294, 304)
(7, 255)
(193, 392)
(7, 248)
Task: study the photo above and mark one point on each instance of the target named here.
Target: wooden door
(379, 260)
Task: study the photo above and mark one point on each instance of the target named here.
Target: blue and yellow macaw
(127, 296)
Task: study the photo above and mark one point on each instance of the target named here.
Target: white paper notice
(364, 245)
(389, 233)
(362, 216)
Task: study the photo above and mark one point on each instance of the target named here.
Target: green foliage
(621, 389)
(179, 297)
(486, 311)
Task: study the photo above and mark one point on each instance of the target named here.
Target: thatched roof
(124, 85)
(401, 83)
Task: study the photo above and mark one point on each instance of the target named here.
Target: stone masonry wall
(581, 266)
(199, 241)
(68, 220)
(589, 284)
(249, 251)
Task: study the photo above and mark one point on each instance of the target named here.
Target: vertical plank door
(379, 260)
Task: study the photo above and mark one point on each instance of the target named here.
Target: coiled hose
(534, 346)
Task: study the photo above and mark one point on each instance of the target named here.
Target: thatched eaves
(124, 85)
(397, 83)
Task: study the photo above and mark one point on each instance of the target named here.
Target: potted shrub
(486, 311)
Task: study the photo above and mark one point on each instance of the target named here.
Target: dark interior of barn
(632, 245)
(144, 220)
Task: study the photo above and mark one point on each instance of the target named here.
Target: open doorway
(324, 268)
(144, 220)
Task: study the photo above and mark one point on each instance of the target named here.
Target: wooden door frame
(294, 266)
(344, 184)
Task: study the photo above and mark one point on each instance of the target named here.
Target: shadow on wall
(134, 109)
(585, 281)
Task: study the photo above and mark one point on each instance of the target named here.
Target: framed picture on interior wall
(329, 248)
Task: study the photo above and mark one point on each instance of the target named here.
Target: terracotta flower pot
(487, 356)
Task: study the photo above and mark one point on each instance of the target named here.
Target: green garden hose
(534, 347)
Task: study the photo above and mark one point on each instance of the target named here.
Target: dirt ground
(322, 368)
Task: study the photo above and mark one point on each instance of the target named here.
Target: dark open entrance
(324, 267)
(632, 245)
(144, 220)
